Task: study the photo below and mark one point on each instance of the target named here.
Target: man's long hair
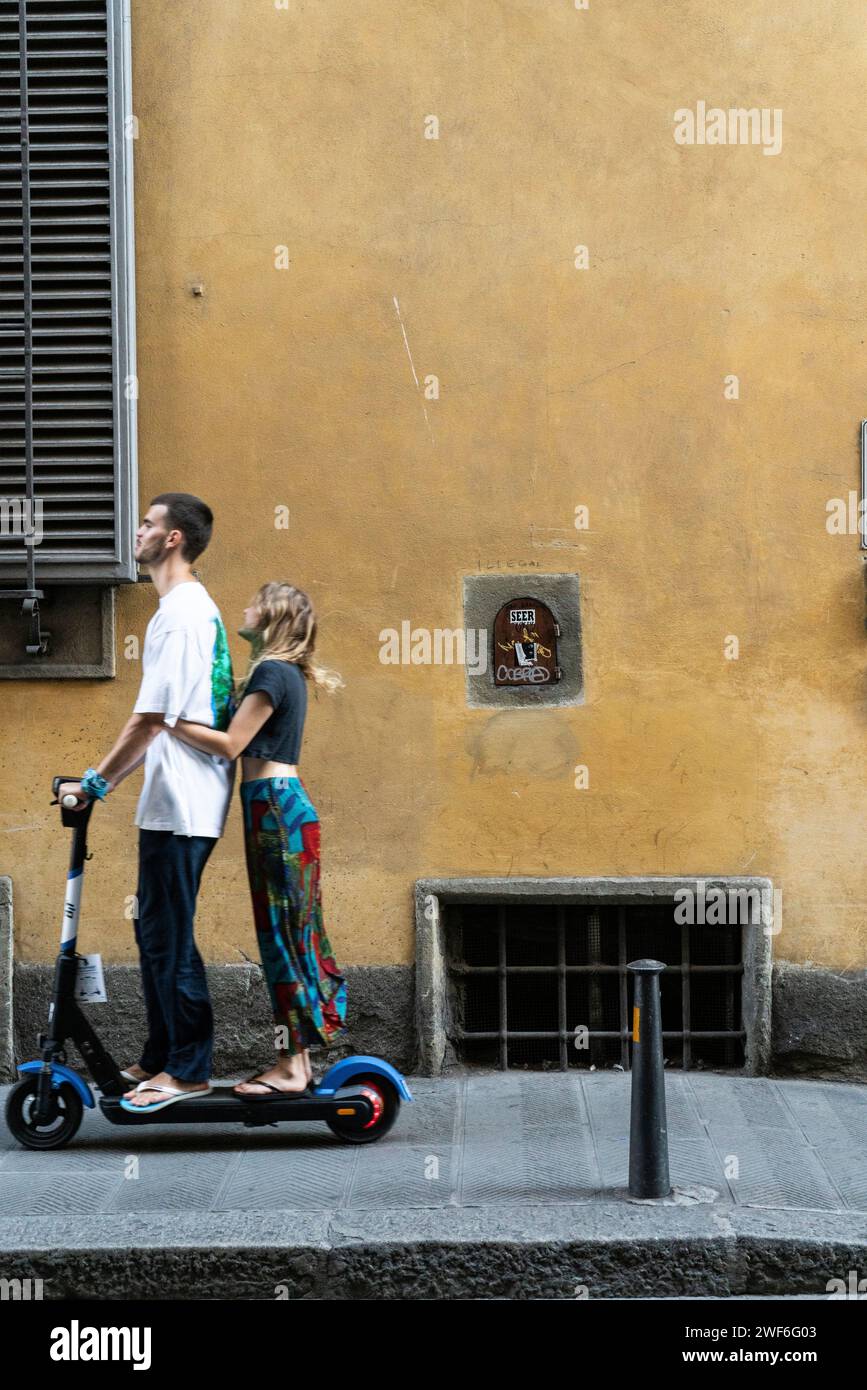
(287, 632)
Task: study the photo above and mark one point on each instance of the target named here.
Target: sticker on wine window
(525, 644)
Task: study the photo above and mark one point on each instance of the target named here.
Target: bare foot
(139, 1075)
(162, 1078)
(291, 1074)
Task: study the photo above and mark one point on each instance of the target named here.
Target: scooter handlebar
(57, 782)
(72, 813)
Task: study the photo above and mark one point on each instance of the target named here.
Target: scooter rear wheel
(21, 1104)
(386, 1104)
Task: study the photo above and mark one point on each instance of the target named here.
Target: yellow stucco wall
(304, 127)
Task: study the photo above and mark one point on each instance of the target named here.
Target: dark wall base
(819, 1018)
(819, 1022)
(380, 1016)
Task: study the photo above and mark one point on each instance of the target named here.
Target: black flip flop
(284, 1095)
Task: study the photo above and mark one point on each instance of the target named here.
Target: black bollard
(648, 1136)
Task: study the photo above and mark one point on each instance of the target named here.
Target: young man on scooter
(181, 813)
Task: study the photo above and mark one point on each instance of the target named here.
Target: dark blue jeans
(179, 1016)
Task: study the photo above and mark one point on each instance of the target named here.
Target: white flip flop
(173, 1093)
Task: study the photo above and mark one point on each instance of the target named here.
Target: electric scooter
(358, 1097)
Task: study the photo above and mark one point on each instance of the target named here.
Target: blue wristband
(94, 785)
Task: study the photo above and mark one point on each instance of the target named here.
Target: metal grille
(65, 421)
(524, 977)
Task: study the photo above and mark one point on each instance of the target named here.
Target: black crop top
(279, 739)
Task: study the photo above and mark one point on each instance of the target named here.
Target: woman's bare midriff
(261, 767)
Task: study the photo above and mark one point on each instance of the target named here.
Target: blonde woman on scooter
(282, 833)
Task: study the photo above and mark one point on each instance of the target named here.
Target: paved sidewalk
(491, 1185)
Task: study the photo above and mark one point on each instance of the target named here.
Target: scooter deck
(223, 1106)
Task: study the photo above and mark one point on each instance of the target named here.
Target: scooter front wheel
(385, 1100)
(20, 1115)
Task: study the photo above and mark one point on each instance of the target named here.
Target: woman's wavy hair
(286, 632)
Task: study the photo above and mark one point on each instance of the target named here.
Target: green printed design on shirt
(221, 679)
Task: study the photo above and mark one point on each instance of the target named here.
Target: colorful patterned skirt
(281, 838)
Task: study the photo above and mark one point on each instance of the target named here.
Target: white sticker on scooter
(71, 907)
(89, 980)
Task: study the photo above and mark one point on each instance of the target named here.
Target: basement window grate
(523, 978)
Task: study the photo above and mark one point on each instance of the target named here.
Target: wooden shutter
(79, 408)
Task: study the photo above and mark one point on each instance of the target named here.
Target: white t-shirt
(186, 674)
